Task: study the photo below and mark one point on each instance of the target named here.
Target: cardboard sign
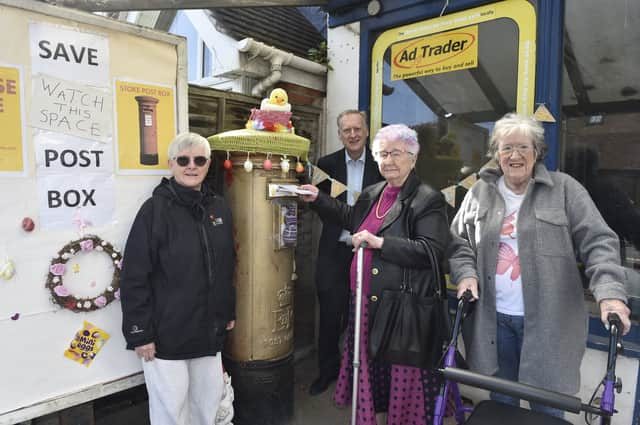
(146, 125)
(12, 146)
(63, 52)
(62, 154)
(60, 195)
(70, 108)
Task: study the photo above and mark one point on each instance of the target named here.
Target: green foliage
(320, 55)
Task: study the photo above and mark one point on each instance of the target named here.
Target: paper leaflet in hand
(292, 188)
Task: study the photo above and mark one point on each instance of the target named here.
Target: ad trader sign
(435, 54)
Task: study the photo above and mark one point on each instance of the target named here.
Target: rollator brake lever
(618, 385)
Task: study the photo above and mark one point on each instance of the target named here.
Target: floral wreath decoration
(62, 296)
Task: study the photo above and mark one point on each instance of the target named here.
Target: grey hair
(514, 123)
(363, 116)
(187, 141)
(400, 132)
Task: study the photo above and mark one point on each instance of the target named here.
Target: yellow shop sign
(435, 54)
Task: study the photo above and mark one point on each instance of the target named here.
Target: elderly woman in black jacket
(400, 219)
(177, 297)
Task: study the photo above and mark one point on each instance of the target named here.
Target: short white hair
(399, 132)
(187, 141)
(513, 123)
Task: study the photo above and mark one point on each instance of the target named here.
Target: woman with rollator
(518, 236)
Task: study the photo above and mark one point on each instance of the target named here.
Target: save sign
(435, 54)
(69, 53)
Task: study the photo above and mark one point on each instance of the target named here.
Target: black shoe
(321, 384)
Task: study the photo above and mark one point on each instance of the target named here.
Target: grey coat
(557, 223)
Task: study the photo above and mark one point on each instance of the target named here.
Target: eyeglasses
(507, 150)
(394, 154)
(348, 131)
(183, 161)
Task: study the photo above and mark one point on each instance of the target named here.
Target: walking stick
(356, 332)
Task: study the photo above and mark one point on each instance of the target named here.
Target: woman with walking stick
(402, 221)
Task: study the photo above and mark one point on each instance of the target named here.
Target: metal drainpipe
(277, 58)
(271, 79)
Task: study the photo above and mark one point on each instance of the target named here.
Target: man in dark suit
(354, 166)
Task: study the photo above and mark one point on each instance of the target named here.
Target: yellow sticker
(85, 345)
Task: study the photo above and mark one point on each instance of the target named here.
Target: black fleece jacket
(177, 274)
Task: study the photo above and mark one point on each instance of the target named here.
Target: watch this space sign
(435, 54)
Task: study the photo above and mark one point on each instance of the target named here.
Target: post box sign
(60, 196)
(146, 116)
(435, 54)
(73, 173)
(64, 52)
(12, 146)
(62, 154)
(66, 107)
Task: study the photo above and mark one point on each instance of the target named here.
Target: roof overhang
(124, 5)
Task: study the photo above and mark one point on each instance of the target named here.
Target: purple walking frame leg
(486, 412)
(610, 382)
(448, 387)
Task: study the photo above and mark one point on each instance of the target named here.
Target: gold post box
(259, 351)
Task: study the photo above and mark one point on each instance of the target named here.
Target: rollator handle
(464, 303)
(614, 320)
(615, 325)
(467, 295)
(519, 390)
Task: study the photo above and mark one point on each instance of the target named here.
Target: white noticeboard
(59, 116)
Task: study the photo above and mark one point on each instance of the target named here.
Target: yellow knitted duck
(277, 101)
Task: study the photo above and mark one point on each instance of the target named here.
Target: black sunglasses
(183, 161)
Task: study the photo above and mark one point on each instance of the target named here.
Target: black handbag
(409, 329)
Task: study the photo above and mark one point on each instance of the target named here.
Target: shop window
(605, 158)
(600, 143)
(450, 78)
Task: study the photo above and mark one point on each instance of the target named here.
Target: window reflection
(453, 112)
(605, 159)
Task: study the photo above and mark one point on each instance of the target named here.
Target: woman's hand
(612, 305)
(146, 352)
(373, 241)
(470, 283)
(230, 325)
(310, 188)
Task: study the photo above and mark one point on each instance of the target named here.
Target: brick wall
(299, 95)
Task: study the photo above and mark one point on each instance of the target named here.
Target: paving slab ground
(130, 407)
(320, 409)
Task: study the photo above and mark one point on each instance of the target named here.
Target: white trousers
(184, 392)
